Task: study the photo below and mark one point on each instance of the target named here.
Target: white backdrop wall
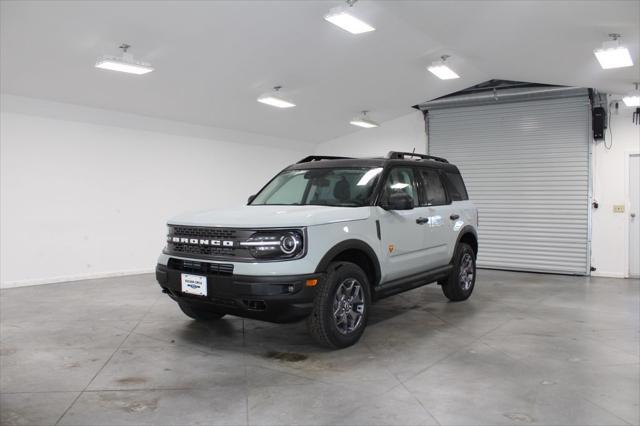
(609, 253)
(86, 193)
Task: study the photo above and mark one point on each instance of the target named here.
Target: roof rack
(321, 157)
(396, 155)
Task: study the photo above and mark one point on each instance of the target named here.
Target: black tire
(343, 279)
(459, 285)
(199, 313)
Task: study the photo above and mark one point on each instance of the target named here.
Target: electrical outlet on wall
(618, 208)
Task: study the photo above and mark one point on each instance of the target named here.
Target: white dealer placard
(194, 284)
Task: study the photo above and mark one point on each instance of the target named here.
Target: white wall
(609, 253)
(402, 134)
(86, 192)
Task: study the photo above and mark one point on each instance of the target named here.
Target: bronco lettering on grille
(200, 242)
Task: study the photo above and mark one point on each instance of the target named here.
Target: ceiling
(213, 59)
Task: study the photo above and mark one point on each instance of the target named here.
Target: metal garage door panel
(526, 166)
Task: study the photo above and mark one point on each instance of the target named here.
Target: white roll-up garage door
(526, 166)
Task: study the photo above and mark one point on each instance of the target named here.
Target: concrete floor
(525, 349)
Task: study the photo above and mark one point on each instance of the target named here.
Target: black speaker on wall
(598, 122)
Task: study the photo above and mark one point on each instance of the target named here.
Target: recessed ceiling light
(442, 70)
(612, 55)
(342, 17)
(632, 99)
(124, 63)
(275, 99)
(364, 121)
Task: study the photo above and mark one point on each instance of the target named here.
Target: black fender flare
(468, 229)
(351, 245)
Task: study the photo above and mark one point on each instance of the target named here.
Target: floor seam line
(421, 404)
(400, 384)
(604, 409)
(455, 351)
(107, 361)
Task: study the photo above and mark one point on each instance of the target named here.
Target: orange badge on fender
(391, 248)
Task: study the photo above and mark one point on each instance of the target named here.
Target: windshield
(341, 187)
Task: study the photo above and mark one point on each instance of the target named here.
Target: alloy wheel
(348, 306)
(466, 272)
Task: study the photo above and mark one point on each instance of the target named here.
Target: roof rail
(397, 155)
(321, 157)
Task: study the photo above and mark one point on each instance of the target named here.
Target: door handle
(422, 220)
(454, 217)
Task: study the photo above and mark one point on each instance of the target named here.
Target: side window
(401, 179)
(456, 187)
(433, 190)
(339, 188)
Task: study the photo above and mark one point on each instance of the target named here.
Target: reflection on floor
(526, 348)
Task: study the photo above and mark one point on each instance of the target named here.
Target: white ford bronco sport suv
(323, 240)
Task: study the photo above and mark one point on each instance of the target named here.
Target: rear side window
(456, 188)
(433, 190)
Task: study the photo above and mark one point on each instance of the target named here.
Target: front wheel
(341, 306)
(462, 278)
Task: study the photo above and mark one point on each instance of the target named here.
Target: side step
(412, 281)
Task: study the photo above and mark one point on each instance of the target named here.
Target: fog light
(291, 288)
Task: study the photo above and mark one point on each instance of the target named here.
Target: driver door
(402, 235)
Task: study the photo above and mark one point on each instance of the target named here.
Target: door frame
(627, 203)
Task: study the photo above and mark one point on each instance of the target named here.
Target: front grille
(201, 250)
(220, 243)
(201, 267)
(201, 232)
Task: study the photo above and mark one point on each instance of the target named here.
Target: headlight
(275, 244)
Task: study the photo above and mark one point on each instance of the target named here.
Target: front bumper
(267, 298)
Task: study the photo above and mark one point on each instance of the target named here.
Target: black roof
(393, 158)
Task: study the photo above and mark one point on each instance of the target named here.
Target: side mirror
(399, 201)
(251, 198)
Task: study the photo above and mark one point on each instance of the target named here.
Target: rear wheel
(198, 313)
(341, 306)
(462, 278)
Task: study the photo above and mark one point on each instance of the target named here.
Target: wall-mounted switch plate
(618, 208)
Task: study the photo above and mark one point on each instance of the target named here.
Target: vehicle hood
(271, 216)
